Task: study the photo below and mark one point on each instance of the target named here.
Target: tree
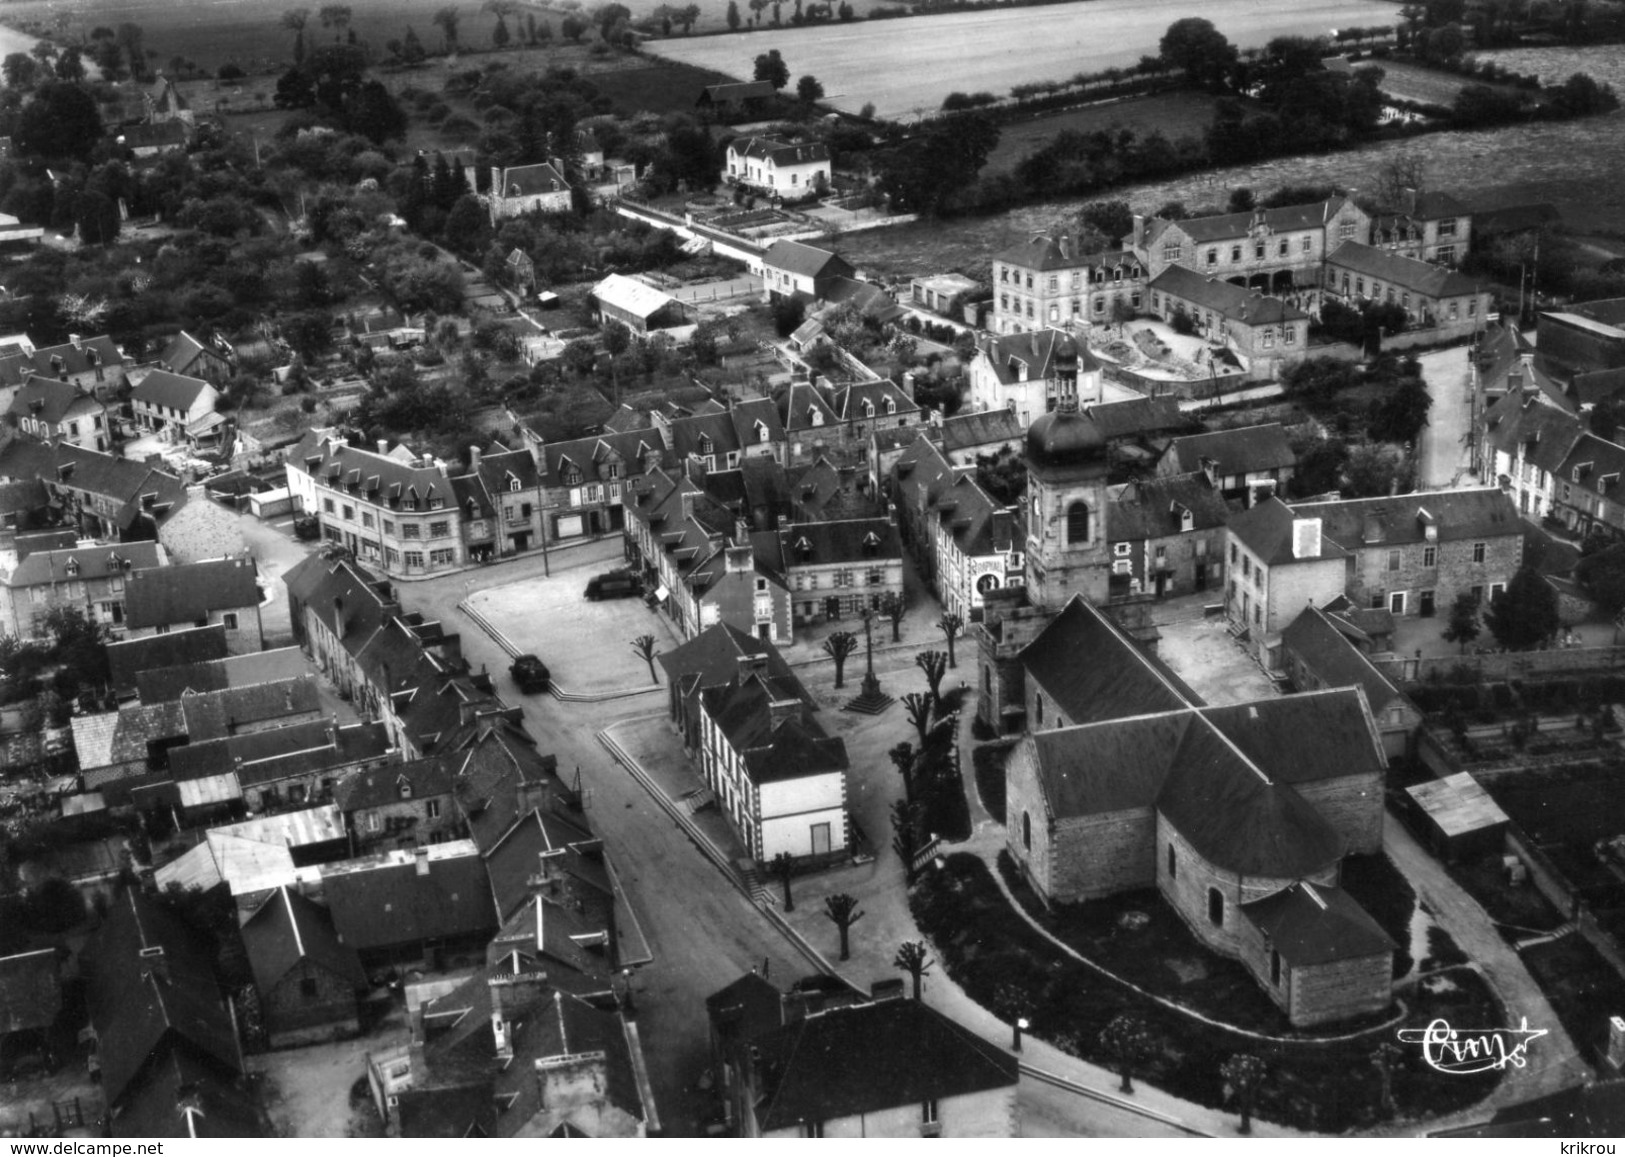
(770, 67)
(935, 666)
(893, 607)
(130, 36)
(1198, 49)
(1242, 1074)
(59, 120)
(1383, 1058)
(573, 28)
(809, 91)
(644, 645)
(412, 51)
(1400, 416)
(79, 643)
(918, 708)
(951, 625)
(839, 647)
(295, 19)
(70, 66)
(687, 15)
(1464, 627)
(1526, 613)
(1128, 1039)
(843, 911)
(733, 15)
(446, 18)
(336, 17)
(19, 70)
(1602, 573)
(911, 958)
(499, 34)
(610, 18)
(374, 113)
(902, 757)
(784, 866)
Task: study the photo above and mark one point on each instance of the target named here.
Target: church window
(1077, 524)
(1215, 907)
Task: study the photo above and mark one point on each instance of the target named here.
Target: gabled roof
(630, 295)
(30, 990)
(289, 928)
(866, 1058)
(632, 452)
(1420, 277)
(382, 479)
(1595, 464)
(277, 753)
(712, 658)
(1303, 738)
(189, 591)
(780, 151)
(378, 906)
(85, 563)
(1119, 681)
(1155, 507)
(381, 786)
(151, 986)
(1546, 432)
(974, 431)
(792, 747)
(528, 180)
(796, 405)
(1266, 530)
(1233, 226)
(1038, 355)
(1135, 416)
(141, 489)
(1328, 653)
(171, 391)
(1316, 924)
(183, 352)
(576, 873)
(1232, 302)
(48, 400)
(160, 684)
(930, 487)
(71, 358)
(1454, 515)
(854, 540)
(1044, 252)
(805, 260)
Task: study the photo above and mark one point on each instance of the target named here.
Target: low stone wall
(1500, 665)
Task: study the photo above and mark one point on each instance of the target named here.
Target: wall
(1353, 804)
(1328, 992)
(1455, 572)
(1501, 665)
(991, 1113)
(292, 1018)
(1103, 854)
(803, 802)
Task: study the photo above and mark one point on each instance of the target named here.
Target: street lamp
(1017, 1029)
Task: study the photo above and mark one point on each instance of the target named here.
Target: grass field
(1403, 80)
(906, 67)
(1173, 114)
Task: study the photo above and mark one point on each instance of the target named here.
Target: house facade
(1247, 464)
(1264, 330)
(1167, 535)
(1031, 372)
(198, 594)
(307, 979)
(1321, 649)
(1047, 282)
(1279, 563)
(794, 268)
(773, 165)
(171, 403)
(837, 570)
(1432, 296)
(1276, 251)
(89, 578)
(1433, 227)
(522, 189)
(214, 360)
(50, 410)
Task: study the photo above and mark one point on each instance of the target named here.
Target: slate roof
(1109, 766)
(1135, 416)
(711, 659)
(1040, 352)
(1420, 277)
(1122, 680)
(184, 351)
(1247, 450)
(372, 477)
(154, 1108)
(928, 487)
(529, 180)
(805, 260)
(482, 488)
(848, 401)
(1457, 515)
(1232, 302)
(974, 431)
(1232, 226)
(1303, 738)
(1595, 386)
(854, 540)
(1312, 924)
(170, 390)
(48, 400)
(1546, 433)
(135, 488)
(780, 151)
(68, 358)
(24, 496)
(576, 854)
(866, 1058)
(1152, 507)
(30, 990)
(869, 299)
(289, 928)
(378, 906)
(84, 563)
(161, 684)
(381, 786)
(1595, 464)
(277, 753)
(151, 984)
(1266, 530)
(1044, 251)
(798, 402)
(634, 452)
(794, 748)
(1339, 663)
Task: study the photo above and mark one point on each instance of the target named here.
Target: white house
(774, 165)
(1029, 373)
(172, 402)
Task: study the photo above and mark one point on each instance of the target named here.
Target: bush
(989, 763)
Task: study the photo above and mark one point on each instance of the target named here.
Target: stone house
(1047, 282)
(1276, 251)
(773, 165)
(711, 659)
(807, 1065)
(1586, 487)
(1431, 226)
(1246, 464)
(94, 364)
(92, 579)
(307, 978)
(1167, 535)
(836, 570)
(400, 805)
(197, 594)
(214, 361)
(1028, 373)
(1524, 439)
(1412, 554)
(1264, 330)
(1319, 650)
(1433, 296)
(1280, 561)
(521, 189)
(51, 410)
(796, 269)
(428, 907)
(102, 496)
(171, 403)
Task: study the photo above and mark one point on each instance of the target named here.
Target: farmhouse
(774, 165)
(185, 355)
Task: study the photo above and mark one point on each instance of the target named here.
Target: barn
(637, 306)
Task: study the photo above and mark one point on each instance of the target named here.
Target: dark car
(530, 673)
(616, 584)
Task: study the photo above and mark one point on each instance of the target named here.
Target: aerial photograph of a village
(812, 568)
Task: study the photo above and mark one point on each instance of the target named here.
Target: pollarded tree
(935, 666)
(951, 625)
(840, 647)
(912, 959)
(644, 645)
(902, 757)
(906, 824)
(1128, 1039)
(1242, 1074)
(918, 708)
(842, 911)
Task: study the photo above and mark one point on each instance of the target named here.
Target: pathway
(1554, 1063)
(1442, 450)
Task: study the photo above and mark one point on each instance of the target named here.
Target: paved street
(1442, 451)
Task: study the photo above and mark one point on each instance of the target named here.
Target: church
(1124, 778)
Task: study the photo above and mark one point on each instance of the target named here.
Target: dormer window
(762, 432)
(871, 543)
(891, 405)
(706, 446)
(73, 568)
(513, 486)
(406, 788)
(571, 475)
(868, 408)
(815, 416)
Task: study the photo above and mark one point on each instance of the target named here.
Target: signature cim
(1477, 1050)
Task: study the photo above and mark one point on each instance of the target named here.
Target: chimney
(782, 711)
(474, 458)
(421, 857)
(383, 445)
(1306, 538)
(75, 339)
(1410, 200)
(1137, 237)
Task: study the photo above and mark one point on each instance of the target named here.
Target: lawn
(1403, 80)
(1583, 989)
(1173, 114)
(1007, 967)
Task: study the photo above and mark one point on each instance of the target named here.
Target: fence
(1550, 882)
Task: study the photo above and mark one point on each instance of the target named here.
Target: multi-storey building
(175, 403)
(837, 570)
(1524, 440)
(1432, 296)
(1167, 535)
(1264, 330)
(1428, 227)
(774, 165)
(1277, 251)
(223, 591)
(1587, 494)
(1047, 281)
(51, 410)
(100, 495)
(522, 189)
(89, 578)
(1029, 373)
(1278, 563)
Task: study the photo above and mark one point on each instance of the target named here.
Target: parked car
(615, 584)
(530, 673)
